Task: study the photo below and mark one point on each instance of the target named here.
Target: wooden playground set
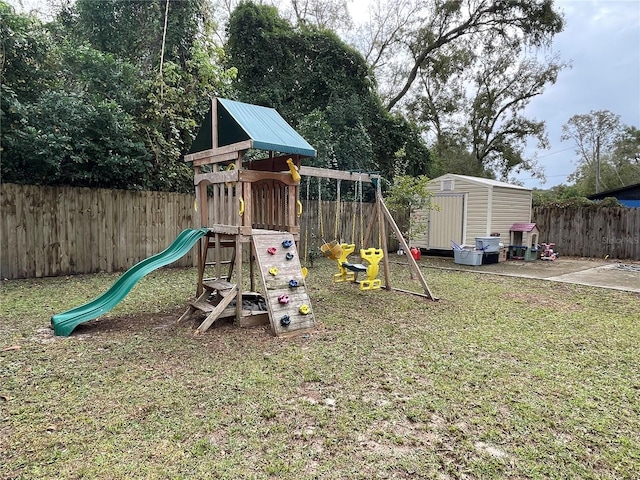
(247, 164)
(257, 202)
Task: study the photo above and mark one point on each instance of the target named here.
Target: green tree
(619, 164)
(81, 94)
(595, 135)
(309, 71)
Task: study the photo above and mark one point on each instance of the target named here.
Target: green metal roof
(239, 121)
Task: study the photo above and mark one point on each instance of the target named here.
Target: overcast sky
(602, 41)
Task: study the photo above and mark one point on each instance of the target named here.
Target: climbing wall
(285, 290)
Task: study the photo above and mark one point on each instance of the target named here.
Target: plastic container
(467, 257)
(489, 258)
(415, 253)
(488, 244)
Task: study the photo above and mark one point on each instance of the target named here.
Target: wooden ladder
(217, 245)
(215, 299)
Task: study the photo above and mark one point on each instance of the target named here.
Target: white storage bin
(488, 244)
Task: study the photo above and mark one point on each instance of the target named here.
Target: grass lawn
(502, 378)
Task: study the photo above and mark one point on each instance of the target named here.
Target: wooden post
(383, 237)
(238, 267)
(412, 261)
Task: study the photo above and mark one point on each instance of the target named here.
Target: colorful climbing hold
(283, 299)
(271, 250)
(289, 256)
(293, 283)
(287, 243)
(304, 309)
(285, 321)
(273, 271)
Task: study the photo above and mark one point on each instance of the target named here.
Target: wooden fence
(591, 231)
(53, 231)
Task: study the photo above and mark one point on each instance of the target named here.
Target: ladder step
(223, 262)
(220, 285)
(227, 244)
(203, 306)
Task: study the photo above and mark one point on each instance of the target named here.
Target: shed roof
(481, 181)
(237, 121)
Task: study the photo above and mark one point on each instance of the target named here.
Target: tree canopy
(608, 152)
(84, 101)
(111, 93)
(322, 86)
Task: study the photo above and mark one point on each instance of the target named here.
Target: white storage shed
(471, 207)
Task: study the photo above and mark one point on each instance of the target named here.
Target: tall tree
(309, 71)
(324, 14)
(77, 115)
(593, 133)
(458, 68)
(450, 22)
(619, 164)
(503, 88)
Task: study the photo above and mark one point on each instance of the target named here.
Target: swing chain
(335, 231)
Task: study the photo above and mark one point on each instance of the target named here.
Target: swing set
(371, 257)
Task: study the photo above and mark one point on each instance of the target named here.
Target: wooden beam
(223, 157)
(338, 174)
(383, 236)
(412, 261)
(212, 152)
(216, 177)
(273, 164)
(417, 294)
(254, 176)
(214, 123)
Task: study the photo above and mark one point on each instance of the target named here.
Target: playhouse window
(446, 185)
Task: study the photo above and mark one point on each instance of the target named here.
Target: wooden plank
(213, 152)
(95, 216)
(36, 242)
(214, 123)
(225, 157)
(338, 174)
(208, 178)
(8, 240)
(256, 176)
(50, 258)
(273, 164)
(215, 314)
(239, 279)
(277, 285)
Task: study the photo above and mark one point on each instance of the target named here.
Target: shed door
(448, 223)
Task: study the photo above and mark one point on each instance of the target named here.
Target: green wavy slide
(64, 323)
